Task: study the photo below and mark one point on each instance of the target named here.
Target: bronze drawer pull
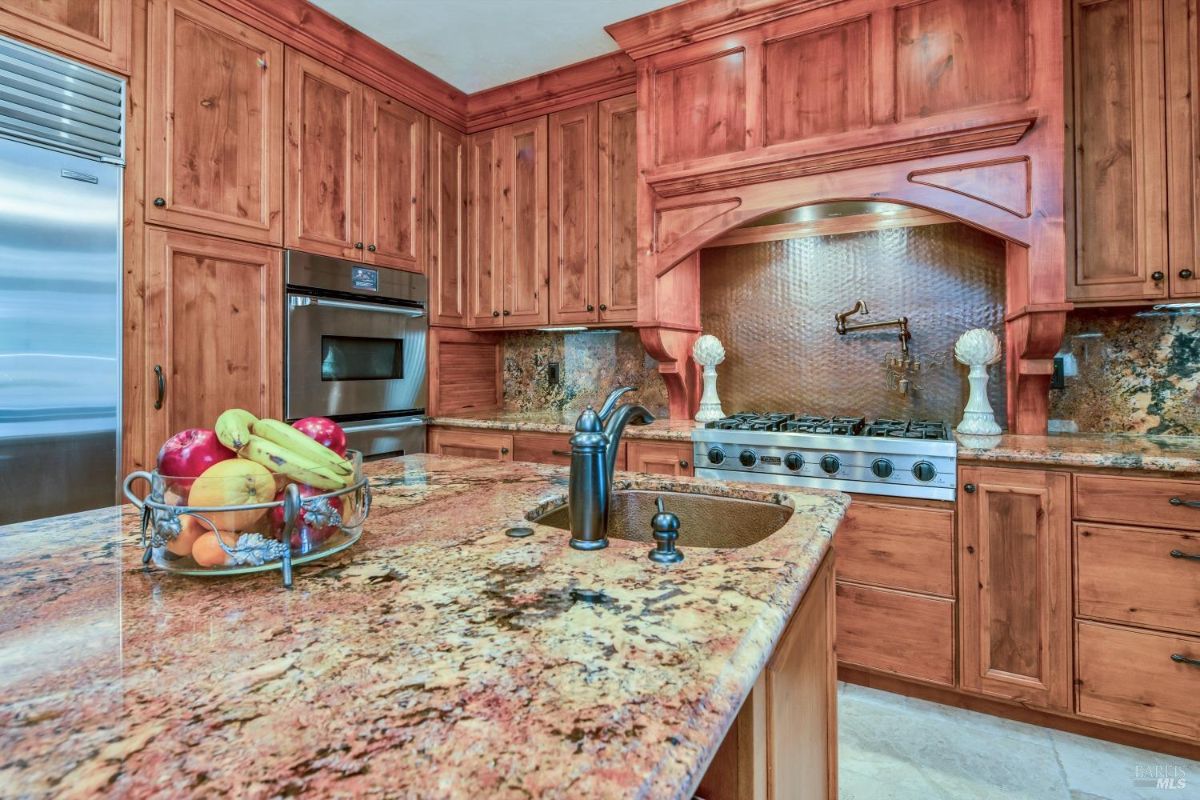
(1180, 658)
(161, 378)
(1181, 554)
(566, 453)
(1179, 501)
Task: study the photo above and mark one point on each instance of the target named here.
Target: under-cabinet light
(562, 329)
(1170, 309)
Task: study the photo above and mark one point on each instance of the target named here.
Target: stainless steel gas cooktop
(902, 458)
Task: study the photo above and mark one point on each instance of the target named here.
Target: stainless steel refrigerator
(61, 167)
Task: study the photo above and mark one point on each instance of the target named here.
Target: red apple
(325, 431)
(305, 536)
(187, 454)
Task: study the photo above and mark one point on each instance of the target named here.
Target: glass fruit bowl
(239, 517)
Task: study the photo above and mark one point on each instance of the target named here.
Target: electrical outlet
(1058, 378)
(552, 373)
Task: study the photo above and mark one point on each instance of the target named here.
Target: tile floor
(897, 748)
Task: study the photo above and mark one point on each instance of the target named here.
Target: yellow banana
(287, 463)
(233, 427)
(291, 439)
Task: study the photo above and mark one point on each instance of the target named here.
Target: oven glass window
(359, 358)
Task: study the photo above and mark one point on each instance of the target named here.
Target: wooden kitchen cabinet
(393, 165)
(1183, 145)
(355, 167)
(617, 214)
(507, 227)
(896, 632)
(660, 458)
(214, 124)
(96, 31)
(214, 330)
(447, 226)
(574, 283)
(471, 443)
(1015, 584)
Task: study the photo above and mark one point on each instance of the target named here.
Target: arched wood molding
(994, 164)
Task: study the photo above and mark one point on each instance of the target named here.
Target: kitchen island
(438, 657)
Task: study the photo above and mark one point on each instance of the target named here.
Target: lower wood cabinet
(1143, 679)
(471, 443)
(660, 458)
(901, 633)
(783, 744)
(898, 545)
(213, 330)
(1015, 584)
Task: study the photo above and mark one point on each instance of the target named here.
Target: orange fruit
(207, 551)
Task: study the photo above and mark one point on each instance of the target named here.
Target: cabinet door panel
(324, 195)
(471, 444)
(1015, 590)
(899, 633)
(447, 225)
(617, 223)
(483, 236)
(215, 327)
(573, 215)
(97, 31)
(214, 138)
(659, 458)
(523, 217)
(1120, 166)
(1183, 144)
(394, 183)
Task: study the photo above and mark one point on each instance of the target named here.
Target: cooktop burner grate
(837, 426)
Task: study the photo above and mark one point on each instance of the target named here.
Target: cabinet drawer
(898, 547)
(542, 448)
(1129, 677)
(1138, 501)
(1139, 576)
(468, 443)
(659, 458)
(895, 632)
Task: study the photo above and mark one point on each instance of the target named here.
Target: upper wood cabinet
(1119, 151)
(574, 286)
(1183, 144)
(214, 124)
(355, 164)
(394, 183)
(617, 217)
(447, 225)
(96, 31)
(507, 226)
(214, 330)
(1015, 584)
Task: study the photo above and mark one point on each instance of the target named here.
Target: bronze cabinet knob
(507, 312)
(160, 202)
(371, 247)
(503, 451)
(358, 245)
(1157, 276)
(603, 307)
(495, 313)
(1186, 274)
(969, 488)
(591, 307)
(683, 463)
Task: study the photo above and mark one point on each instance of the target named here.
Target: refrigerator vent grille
(53, 102)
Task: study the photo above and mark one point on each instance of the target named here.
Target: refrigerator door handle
(161, 377)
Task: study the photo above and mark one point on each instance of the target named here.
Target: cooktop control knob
(748, 458)
(830, 464)
(924, 471)
(881, 468)
(715, 455)
(794, 461)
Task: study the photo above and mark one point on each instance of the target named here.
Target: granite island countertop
(436, 658)
(679, 430)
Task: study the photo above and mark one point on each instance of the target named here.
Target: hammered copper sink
(704, 520)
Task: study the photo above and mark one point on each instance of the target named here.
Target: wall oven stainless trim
(336, 307)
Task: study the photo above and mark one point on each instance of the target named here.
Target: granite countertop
(554, 422)
(1177, 454)
(436, 658)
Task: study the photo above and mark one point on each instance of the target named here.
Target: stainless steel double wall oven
(356, 351)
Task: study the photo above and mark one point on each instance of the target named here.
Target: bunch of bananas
(282, 449)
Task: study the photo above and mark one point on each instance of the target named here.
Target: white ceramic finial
(978, 348)
(708, 352)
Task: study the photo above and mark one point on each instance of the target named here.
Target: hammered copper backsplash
(773, 305)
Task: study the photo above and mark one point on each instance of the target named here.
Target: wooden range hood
(749, 106)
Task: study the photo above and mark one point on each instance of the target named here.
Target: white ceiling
(478, 44)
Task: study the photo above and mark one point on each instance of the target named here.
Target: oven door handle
(350, 427)
(350, 305)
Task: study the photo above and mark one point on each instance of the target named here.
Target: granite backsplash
(590, 365)
(1129, 371)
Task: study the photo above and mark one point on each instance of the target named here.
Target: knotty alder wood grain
(466, 371)
(1015, 584)
(662, 458)
(617, 217)
(573, 154)
(215, 327)
(96, 31)
(214, 116)
(485, 293)
(524, 215)
(1182, 58)
(897, 546)
(447, 225)
(700, 105)
(1137, 501)
(896, 632)
(393, 169)
(471, 444)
